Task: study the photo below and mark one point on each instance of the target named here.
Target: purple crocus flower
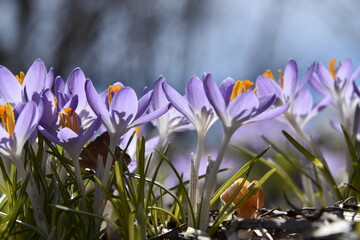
(235, 105)
(20, 88)
(172, 121)
(197, 109)
(289, 90)
(338, 83)
(121, 110)
(75, 85)
(195, 105)
(17, 127)
(71, 135)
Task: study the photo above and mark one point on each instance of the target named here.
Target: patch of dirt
(341, 221)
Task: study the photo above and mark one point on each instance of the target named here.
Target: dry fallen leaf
(249, 209)
(99, 147)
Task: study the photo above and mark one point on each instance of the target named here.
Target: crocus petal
(243, 105)
(26, 123)
(195, 95)
(49, 115)
(159, 99)
(59, 85)
(72, 103)
(49, 133)
(67, 135)
(3, 133)
(307, 77)
(49, 79)
(150, 116)
(97, 104)
(35, 78)
(215, 98)
(326, 79)
(124, 105)
(317, 108)
(303, 102)
(75, 84)
(226, 87)
(336, 125)
(91, 130)
(144, 103)
(270, 114)
(345, 71)
(10, 89)
(315, 83)
(290, 78)
(178, 101)
(266, 86)
(265, 103)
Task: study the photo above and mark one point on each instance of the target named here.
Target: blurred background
(136, 41)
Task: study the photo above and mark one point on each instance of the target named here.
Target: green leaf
(318, 163)
(236, 176)
(281, 173)
(223, 214)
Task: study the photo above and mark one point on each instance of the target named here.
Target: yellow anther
(55, 104)
(240, 87)
(137, 131)
(8, 119)
(111, 91)
(68, 119)
(281, 78)
(268, 74)
(332, 68)
(20, 77)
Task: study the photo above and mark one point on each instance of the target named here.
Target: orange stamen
(137, 131)
(8, 119)
(332, 68)
(281, 78)
(268, 74)
(68, 119)
(20, 77)
(240, 87)
(111, 91)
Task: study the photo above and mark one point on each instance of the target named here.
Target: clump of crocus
(236, 104)
(196, 107)
(71, 135)
(16, 128)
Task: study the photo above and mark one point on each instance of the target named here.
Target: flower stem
(34, 197)
(78, 177)
(99, 198)
(194, 179)
(211, 181)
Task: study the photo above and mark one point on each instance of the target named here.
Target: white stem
(154, 161)
(103, 175)
(79, 180)
(194, 176)
(34, 197)
(211, 181)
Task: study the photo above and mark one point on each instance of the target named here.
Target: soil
(341, 221)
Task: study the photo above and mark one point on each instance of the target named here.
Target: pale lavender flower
(338, 83)
(21, 88)
(290, 90)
